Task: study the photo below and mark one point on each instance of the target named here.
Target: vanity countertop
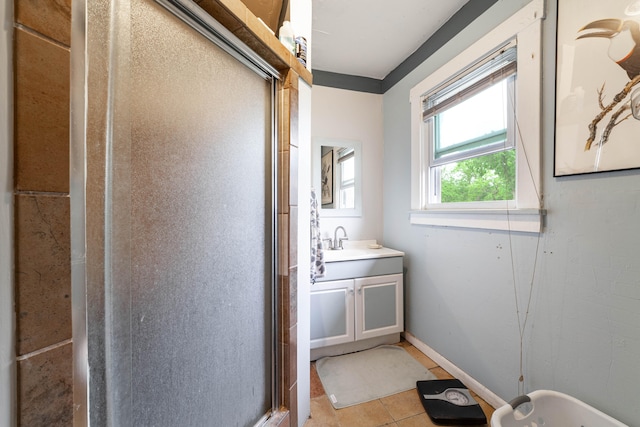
(360, 249)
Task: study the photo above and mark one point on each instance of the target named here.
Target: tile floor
(401, 410)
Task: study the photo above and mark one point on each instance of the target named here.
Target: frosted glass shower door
(180, 220)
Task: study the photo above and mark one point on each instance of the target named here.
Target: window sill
(522, 220)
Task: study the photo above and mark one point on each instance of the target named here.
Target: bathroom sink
(362, 249)
(361, 258)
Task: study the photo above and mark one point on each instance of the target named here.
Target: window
(476, 133)
(474, 162)
(346, 178)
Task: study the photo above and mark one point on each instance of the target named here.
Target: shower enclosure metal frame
(203, 23)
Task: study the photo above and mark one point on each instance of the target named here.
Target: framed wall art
(326, 178)
(597, 86)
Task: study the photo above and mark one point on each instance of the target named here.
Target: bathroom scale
(449, 402)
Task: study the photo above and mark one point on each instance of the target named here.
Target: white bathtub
(550, 409)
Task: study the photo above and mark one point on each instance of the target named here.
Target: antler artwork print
(624, 50)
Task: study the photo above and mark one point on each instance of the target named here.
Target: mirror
(337, 176)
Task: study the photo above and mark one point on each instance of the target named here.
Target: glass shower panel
(188, 240)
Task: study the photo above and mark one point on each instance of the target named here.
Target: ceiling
(370, 38)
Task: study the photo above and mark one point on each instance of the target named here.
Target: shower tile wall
(41, 197)
(287, 245)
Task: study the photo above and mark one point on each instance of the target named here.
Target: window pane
(481, 115)
(347, 172)
(347, 198)
(483, 178)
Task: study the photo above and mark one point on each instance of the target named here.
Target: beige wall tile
(293, 405)
(293, 111)
(41, 114)
(284, 291)
(293, 176)
(51, 18)
(283, 244)
(293, 237)
(45, 388)
(284, 164)
(284, 125)
(43, 271)
(293, 357)
(293, 299)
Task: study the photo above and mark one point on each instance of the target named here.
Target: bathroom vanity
(358, 304)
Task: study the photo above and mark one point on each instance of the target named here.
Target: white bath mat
(368, 375)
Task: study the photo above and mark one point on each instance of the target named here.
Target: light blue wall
(582, 335)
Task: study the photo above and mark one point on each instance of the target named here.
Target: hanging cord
(522, 323)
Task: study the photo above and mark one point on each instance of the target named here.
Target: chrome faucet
(337, 243)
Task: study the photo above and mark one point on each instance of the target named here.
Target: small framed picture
(326, 178)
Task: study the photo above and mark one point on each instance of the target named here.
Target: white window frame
(525, 213)
(452, 97)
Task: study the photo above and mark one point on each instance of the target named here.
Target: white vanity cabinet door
(378, 306)
(332, 310)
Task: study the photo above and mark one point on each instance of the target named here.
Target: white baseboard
(471, 383)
